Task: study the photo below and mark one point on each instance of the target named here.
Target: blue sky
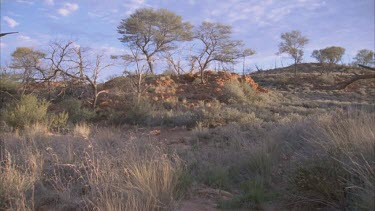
(93, 23)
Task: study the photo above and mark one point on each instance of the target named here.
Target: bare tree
(136, 69)
(66, 59)
(292, 43)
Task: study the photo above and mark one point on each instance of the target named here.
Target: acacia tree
(365, 57)
(330, 55)
(216, 45)
(293, 43)
(317, 54)
(153, 31)
(245, 53)
(29, 61)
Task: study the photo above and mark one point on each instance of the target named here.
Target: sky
(259, 23)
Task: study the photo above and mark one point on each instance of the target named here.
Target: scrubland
(295, 145)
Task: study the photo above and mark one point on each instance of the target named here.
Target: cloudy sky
(93, 23)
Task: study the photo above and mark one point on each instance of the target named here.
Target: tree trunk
(149, 62)
(95, 97)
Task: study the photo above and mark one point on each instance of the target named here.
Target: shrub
(238, 93)
(58, 121)
(29, 110)
(82, 130)
(77, 112)
(137, 112)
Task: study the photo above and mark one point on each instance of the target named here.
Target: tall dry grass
(336, 162)
(105, 171)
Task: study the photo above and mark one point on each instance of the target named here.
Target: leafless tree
(136, 69)
(66, 59)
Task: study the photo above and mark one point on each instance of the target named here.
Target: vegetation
(365, 57)
(148, 141)
(292, 44)
(153, 31)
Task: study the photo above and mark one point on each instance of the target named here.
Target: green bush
(58, 121)
(238, 93)
(254, 194)
(77, 112)
(138, 112)
(29, 110)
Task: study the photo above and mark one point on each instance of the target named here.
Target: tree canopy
(153, 31)
(365, 57)
(28, 60)
(293, 43)
(217, 45)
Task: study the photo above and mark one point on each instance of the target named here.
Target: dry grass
(82, 130)
(333, 161)
(102, 172)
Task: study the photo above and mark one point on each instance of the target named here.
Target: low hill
(187, 87)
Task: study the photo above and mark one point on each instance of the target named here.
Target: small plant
(254, 194)
(238, 92)
(82, 130)
(58, 121)
(29, 110)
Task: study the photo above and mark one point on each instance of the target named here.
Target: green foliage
(323, 181)
(58, 121)
(365, 57)
(292, 44)
(238, 93)
(153, 31)
(139, 112)
(217, 45)
(27, 59)
(254, 194)
(77, 112)
(332, 54)
(8, 82)
(216, 177)
(29, 110)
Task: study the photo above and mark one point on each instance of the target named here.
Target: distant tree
(245, 53)
(153, 31)
(330, 55)
(333, 54)
(317, 54)
(365, 57)
(28, 60)
(292, 43)
(216, 45)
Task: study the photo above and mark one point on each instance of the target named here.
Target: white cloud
(25, 2)
(133, 5)
(259, 12)
(67, 9)
(3, 45)
(24, 38)
(10, 21)
(49, 2)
